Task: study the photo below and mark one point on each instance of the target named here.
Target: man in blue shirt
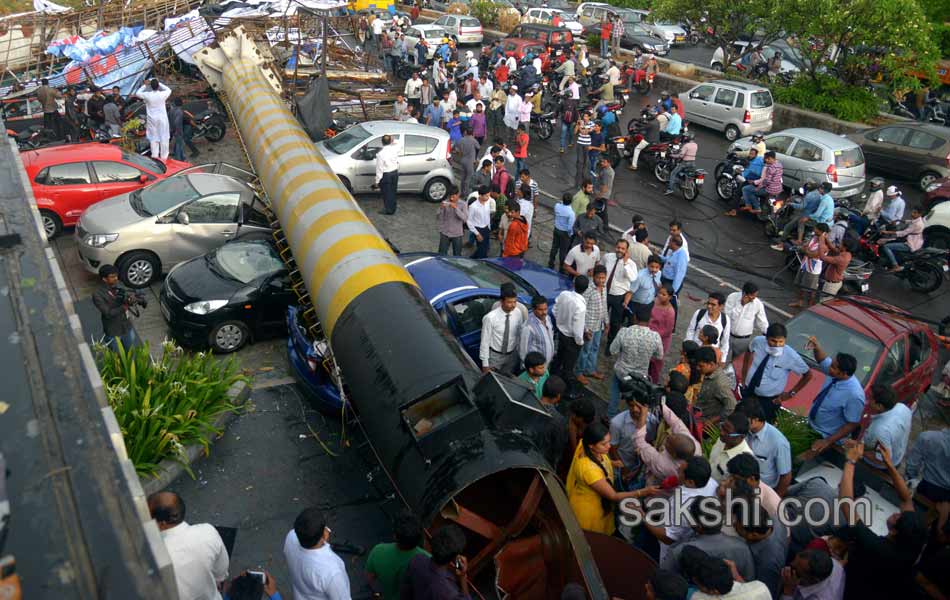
(836, 411)
(674, 268)
(433, 114)
(674, 126)
(765, 370)
(823, 212)
(646, 284)
(894, 205)
(770, 448)
(563, 229)
(889, 427)
(753, 170)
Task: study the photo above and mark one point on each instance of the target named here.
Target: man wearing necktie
(501, 329)
(837, 409)
(765, 371)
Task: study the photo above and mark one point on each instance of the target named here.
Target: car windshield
(162, 195)
(143, 162)
(834, 338)
(465, 22)
(761, 99)
(487, 275)
(434, 33)
(245, 261)
(848, 158)
(347, 140)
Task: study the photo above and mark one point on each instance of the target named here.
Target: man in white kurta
(155, 95)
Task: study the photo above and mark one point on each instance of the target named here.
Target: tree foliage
(864, 41)
(731, 20)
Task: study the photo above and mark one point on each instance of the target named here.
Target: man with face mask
(765, 370)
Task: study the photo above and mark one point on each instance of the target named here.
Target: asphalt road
(732, 249)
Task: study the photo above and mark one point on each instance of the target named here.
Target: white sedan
(545, 16)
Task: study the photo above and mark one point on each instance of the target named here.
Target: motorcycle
(924, 270)
(617, 150)
(691, 179)
(934, 112)
(898, 108)
(729, 164)
(406, 69)
(543, 124)
(33, 137)
(210, 126)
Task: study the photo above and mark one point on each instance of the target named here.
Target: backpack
(722, 315)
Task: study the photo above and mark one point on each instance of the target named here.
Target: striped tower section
(340, 254)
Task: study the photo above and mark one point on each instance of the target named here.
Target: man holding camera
(113, 303)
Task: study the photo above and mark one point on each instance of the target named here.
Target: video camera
(639, 388)
(130, 297)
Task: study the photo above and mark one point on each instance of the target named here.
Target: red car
(519, 48)
(936, 192)
(891, 347)
(69, 178)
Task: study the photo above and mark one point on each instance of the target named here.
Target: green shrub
(163, 406)
(486, 12)
(593, 42)
(796, 430)
(828, 95)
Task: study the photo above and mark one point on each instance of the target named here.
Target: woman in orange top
(516, 240)
(590, 481)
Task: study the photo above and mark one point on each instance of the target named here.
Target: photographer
(113, 302)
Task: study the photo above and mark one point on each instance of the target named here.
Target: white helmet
(469, 54)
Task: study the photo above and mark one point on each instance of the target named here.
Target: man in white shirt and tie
(621, 271)
(479, 222)
(387, 173)
(570, 312)
(746, 314)
(501, 329)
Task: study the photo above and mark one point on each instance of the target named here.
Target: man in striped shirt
(595, 324)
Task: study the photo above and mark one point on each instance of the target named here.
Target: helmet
(469, 54)
(876, 184)
(758, 136)
(686, 136)
(664, 94)
(892, 191)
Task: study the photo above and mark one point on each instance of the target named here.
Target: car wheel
(52, 224)
(926, 179)
(139, 269)
(732, 133)
(228, 337)
(346, 183)
(436, 190)
(716, 66)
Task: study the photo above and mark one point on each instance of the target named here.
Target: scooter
(210, 126)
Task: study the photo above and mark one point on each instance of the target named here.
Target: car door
(114, 178)
(66, 189)
(364, 158)
(253, 217)
(919, 367)
(806, 161)
(465, 319)
(921, 150)
(698, 103)
(416, 160)
(782, 144)
(893, 371)
(274, 296)
(211, 221)
(722, 109)
(884, 148)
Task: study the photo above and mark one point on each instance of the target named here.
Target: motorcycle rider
(775, 64)
(752, 172)
(649, 135)
(687, 159)
(823, 212)
(472, 64)
(674, 126)
(758, 144)
(872, 206)
(665, 102)
(913, 236)
(894, 206)
(806, 205)
(565, 70)
(769, 184)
